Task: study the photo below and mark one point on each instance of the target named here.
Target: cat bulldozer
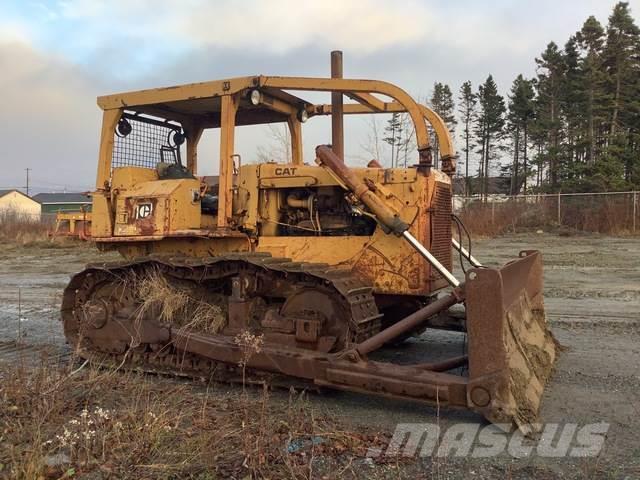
(298, 271)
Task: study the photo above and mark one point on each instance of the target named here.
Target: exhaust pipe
(337, 111)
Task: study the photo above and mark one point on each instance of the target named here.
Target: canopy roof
(201, 102)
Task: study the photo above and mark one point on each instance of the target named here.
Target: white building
(15, 202)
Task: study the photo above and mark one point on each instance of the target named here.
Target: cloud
(57, 56)
(49, 118)
(272, 26)
(14, 31)
(283, 25)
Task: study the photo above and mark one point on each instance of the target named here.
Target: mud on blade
(511, 350)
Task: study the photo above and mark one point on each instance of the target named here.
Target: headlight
(256, 97)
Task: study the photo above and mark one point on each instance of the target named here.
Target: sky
(57, 56)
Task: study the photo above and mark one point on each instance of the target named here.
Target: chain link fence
(607, 212)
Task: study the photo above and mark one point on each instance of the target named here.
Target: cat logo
(143, 210)
(285, 171)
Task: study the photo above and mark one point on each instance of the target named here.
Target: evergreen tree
(571, 108)
(590, 39)
(521, 113)
(574, 127)
(393, 131)
(551, 70)
(442, 103)
(489, 126)
(467, 104)
(621, 59)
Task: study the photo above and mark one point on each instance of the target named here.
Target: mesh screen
(147, 144)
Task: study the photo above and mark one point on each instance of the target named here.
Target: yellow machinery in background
(72, 224)
(323, 263)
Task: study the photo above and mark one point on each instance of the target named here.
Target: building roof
(495, 185)
(80, 198)
(7, 192)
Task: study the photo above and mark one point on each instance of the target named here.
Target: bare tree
(407, 141)
(372, 143)
(279, 147)
(376, 146)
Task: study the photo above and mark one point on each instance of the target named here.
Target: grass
(101, 423)
(65, 421)
(612, 216)
(21, 228)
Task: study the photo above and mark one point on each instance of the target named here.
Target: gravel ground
(592, 295)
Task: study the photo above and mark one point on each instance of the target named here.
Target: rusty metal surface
(492, 308)
(356, 295)
(364, 192)
(407, 324)
(441, 225)
(318, 321)
(201, 233)
(72, 224)
(337, 120)
(511, 350)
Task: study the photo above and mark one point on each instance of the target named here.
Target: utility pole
(27, 187)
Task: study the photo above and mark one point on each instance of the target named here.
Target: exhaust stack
(337, 126)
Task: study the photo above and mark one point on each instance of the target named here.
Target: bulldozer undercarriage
(285, 320)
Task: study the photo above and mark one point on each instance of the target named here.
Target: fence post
(559, 216)
(635, 210)
(493, 213)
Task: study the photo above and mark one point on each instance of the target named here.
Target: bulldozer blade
(511, 350)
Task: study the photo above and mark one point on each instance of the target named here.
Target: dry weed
(599, 213)
(102, 424)
(181, 305)
(24, 230)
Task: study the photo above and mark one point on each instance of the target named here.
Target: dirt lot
(592, 294)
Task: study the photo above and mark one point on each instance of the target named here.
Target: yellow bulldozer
(297, 270)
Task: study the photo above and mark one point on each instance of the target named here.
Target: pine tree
(467, 104)
(586, 127)
(551, 70)
(521, 113)
(489, 128)
(394, 136)
(621, 60)
(621, 45)
(442, 103)
(571, 100)
(590, 40)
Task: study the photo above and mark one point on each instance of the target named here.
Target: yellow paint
(157, 207)
(136, 213)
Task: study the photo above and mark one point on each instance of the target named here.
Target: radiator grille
(441, 224)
